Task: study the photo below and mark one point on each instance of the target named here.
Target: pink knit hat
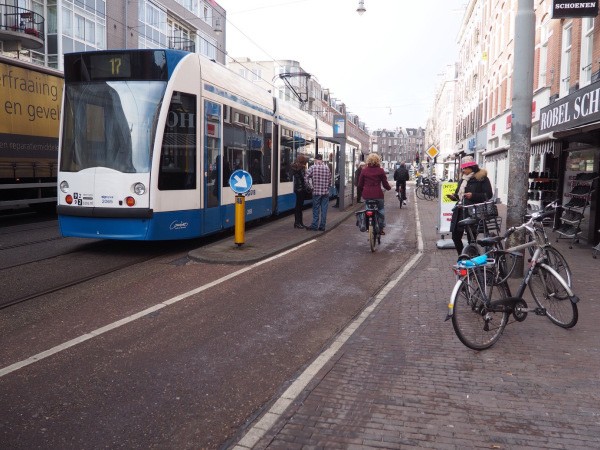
(467, 161)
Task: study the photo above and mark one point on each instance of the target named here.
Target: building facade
(41, 32)
(565, 131)
(288, 81)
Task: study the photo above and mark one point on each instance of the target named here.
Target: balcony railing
(180, 43)
(20, 27)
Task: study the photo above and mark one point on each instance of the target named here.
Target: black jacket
(401, 174)
(481, 188)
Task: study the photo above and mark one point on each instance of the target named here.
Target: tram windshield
(110, 124)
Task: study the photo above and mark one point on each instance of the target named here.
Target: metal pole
(342, 171)
(520, 138)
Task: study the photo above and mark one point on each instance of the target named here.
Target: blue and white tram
(149, 139)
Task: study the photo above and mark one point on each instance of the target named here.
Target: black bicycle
(481, 302)
(369, 220)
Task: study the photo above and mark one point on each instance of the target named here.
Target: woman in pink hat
(473, 187)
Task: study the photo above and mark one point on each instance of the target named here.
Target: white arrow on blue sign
(240, 181)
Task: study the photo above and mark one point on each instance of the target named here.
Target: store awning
(585, 133)
(496, 154)
(545, 143)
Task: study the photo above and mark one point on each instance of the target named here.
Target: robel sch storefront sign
(579, 108)
(562, 9)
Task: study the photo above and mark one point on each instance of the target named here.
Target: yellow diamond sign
(432, 152)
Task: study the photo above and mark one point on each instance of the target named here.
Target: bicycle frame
(463, 273)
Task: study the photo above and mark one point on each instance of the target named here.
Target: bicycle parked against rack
(481, 303)
(369, 220)
(428, 189)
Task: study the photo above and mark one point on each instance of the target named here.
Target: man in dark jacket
(401, 176)
(473, 187)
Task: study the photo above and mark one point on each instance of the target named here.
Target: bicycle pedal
(540, 311)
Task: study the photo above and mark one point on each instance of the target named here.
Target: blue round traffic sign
(240, 181)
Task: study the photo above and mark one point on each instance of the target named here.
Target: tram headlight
(64, 187)
(139, 188)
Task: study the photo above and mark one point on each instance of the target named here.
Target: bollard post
(240, 219)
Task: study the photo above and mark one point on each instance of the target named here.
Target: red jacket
(370, 180)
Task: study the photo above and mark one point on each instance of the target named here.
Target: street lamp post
(361, 7)
(520, 137)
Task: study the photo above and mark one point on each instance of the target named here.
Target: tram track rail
(71, 283)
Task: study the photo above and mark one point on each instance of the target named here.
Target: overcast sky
(388, 59)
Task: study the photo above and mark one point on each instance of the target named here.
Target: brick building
(565, 132)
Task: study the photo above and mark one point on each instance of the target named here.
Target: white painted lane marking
(266, 422)
(139, 315)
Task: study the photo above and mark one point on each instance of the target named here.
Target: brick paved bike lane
(404, 380)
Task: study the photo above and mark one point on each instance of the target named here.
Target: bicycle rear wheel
(549, 293)
(371, 235)
(475, 326)
(428, 193)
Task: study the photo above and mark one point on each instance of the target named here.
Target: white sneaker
(396, 195)
(404, 202)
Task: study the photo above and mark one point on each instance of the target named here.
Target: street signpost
(240, 182)
(432, 152)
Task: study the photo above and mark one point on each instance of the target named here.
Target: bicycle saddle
(489, 241)
(469, 221)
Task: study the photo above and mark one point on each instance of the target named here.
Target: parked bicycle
(369, 220)
(428, 189)
(482, 218)
(481, 303)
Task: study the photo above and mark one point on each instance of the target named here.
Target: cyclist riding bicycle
(372, 177)
(401, 176)
(473, 187)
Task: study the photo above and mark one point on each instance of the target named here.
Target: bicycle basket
(485, 210)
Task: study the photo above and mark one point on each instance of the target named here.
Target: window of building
(587, 47)
(544, 39)
(565, 64)
(152, 25)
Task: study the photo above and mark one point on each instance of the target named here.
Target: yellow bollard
(240, 218)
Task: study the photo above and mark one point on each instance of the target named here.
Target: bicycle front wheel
(419, 192)
(474, 324)
(550, 293)
(557, 261)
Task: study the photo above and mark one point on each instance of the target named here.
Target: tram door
(213, 167)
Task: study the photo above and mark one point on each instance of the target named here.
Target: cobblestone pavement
(404, 380)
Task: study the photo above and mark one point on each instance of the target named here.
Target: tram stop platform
(267, 239)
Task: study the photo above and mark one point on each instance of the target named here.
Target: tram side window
(178, 153)
(286, 150)
(247, 146)
(291, 145)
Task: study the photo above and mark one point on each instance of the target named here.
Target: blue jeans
(320, 205)
(380, 209)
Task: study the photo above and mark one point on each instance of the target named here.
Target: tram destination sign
(562, 9)
(579, 108)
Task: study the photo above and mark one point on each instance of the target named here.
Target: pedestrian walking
(301, 188)
(356, 177)
(319, 177)
(473, 187)
(372, 177)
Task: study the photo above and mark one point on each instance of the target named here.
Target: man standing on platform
(319, 176)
